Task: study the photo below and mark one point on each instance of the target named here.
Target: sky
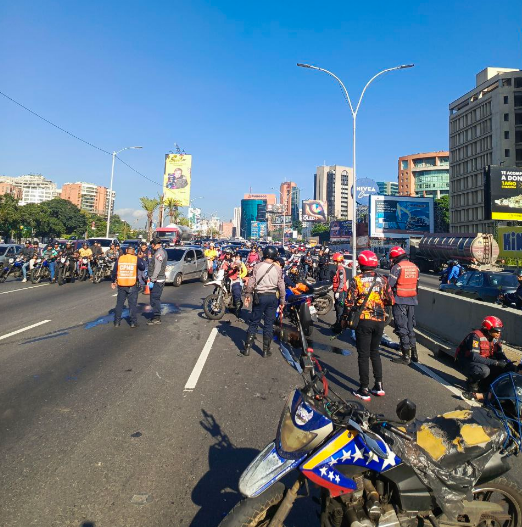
(220, 80)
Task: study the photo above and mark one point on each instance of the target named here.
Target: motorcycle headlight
(293, 439)
(11, 260)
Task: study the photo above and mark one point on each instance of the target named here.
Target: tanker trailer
(434, 250)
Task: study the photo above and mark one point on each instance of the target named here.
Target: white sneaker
(24, 280)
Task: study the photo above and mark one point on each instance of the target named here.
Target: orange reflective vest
(127, 270)
(406, 285)
(336, 281)
(487, 348)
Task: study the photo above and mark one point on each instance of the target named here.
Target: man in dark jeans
(157, 277)
(372, 319)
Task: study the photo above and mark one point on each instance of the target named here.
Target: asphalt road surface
(153, 426)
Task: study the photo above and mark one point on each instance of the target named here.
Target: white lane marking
(23, 289)
(24, 329)
(444, 383)
(198, 368)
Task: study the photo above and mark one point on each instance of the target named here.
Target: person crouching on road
(404, 281)
(481, 358)
(125, 277)
(267, 285)
(371, 324)
(157, 277)
(340, 288)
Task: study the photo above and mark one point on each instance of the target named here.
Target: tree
(149, 206)
(68, 214)
(9, 215)
(442, 214)
(318, 228)
(172, 205)
(297, 226)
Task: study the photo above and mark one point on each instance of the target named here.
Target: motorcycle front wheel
(256, 512)
(214, 307)
(60, 277)
(503, 492)
(97, 276)
(323, 305)
(3, 277)
(83, 275)
(36, 275)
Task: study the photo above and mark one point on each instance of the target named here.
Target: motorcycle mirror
(406, 410)
(289, 358)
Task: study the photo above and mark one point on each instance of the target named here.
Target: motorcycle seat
(320, 288)
(292, 299)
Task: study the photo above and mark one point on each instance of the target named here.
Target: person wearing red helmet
(340, 288)
(481, 358)
(404, 281)
(375, 290)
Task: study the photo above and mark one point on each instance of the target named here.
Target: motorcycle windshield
(264, 471)
(369, 441)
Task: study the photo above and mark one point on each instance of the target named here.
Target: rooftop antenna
(179, 151)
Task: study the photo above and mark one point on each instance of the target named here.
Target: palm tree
(172, 209)
(149, 206)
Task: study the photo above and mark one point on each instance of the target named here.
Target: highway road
(153, 426)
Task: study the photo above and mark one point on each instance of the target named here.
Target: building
(10, 188)
(251, 210)
(89, 197)
(388, 188)
(270, 199)
(35, 188)
(424, 175)
(237, 221)
(227, 229)
(286, 196)
(485, 128)
(332, 184)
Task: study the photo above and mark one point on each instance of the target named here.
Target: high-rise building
(10, 188)
(286, 196)
(237, 221)
(332, 184)
(424, 174)
(35, 188)
(388, 188)
(251, 210)
(485, 128)
(270, 199)
(295, 209)
(89, 197)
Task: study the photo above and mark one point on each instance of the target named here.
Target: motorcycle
(40, 270)
(83, 269)
(102, 269)
(322, 299)
(65, 269)
(300, 311)
(13, 267)
(351, 454)
(216, 304)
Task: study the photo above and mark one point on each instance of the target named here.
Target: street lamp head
(135, 147)
(405, 66)
(304, 65)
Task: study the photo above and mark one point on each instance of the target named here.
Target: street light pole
(114, 154)
(354, 117)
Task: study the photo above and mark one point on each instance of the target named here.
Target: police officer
(157, 277)
(481, 358)
(404, 281)
(267, 285)
(125, 277)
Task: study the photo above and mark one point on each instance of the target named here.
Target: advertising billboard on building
(365, 188)
(503, 193)
(510, 242)
(341, 231)
(314, 210)
(258, 229)
(177, 178)
(280, 220)
(400, 217)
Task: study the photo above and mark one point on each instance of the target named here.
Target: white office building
(332, 185)
(35, 188)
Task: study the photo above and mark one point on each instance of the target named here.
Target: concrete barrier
(452, 317)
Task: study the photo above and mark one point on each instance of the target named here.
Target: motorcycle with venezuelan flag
(372, 471)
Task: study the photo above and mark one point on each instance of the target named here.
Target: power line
(76, 137)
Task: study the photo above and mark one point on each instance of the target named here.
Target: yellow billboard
(510, 242)
(177, 178)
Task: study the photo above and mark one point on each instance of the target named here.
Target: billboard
(280, 220)
(365, 188)
(503, 193)
(258, 229)
(341, 231)
(177, 178)
(510, 242)
(314, 210)
(400, 217)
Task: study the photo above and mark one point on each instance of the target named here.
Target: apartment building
(89, 197)
(35, 188)
(424, 175)
(332, 185)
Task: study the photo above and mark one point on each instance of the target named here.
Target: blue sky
(220, 80)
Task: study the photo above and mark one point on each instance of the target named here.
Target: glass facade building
(249, 213)
(434, 183)
(296, 199)
(388, 188)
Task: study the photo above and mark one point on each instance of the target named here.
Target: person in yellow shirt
(86, 252)
(212, 255)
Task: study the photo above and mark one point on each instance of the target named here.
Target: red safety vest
(486, 348)
(127, 270)
(337, 280)
(408, 277)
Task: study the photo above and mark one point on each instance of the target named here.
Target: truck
(432, 251)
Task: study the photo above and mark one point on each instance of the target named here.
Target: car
(104, 242)
(482, 285)
(8, 250)
(185, 263)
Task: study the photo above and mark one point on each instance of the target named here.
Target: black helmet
(228, 251)
(281, 262)
(505, 399)
(270, 252)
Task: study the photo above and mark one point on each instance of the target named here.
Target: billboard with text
(341, 231)
(177, 178)
(503, 193)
